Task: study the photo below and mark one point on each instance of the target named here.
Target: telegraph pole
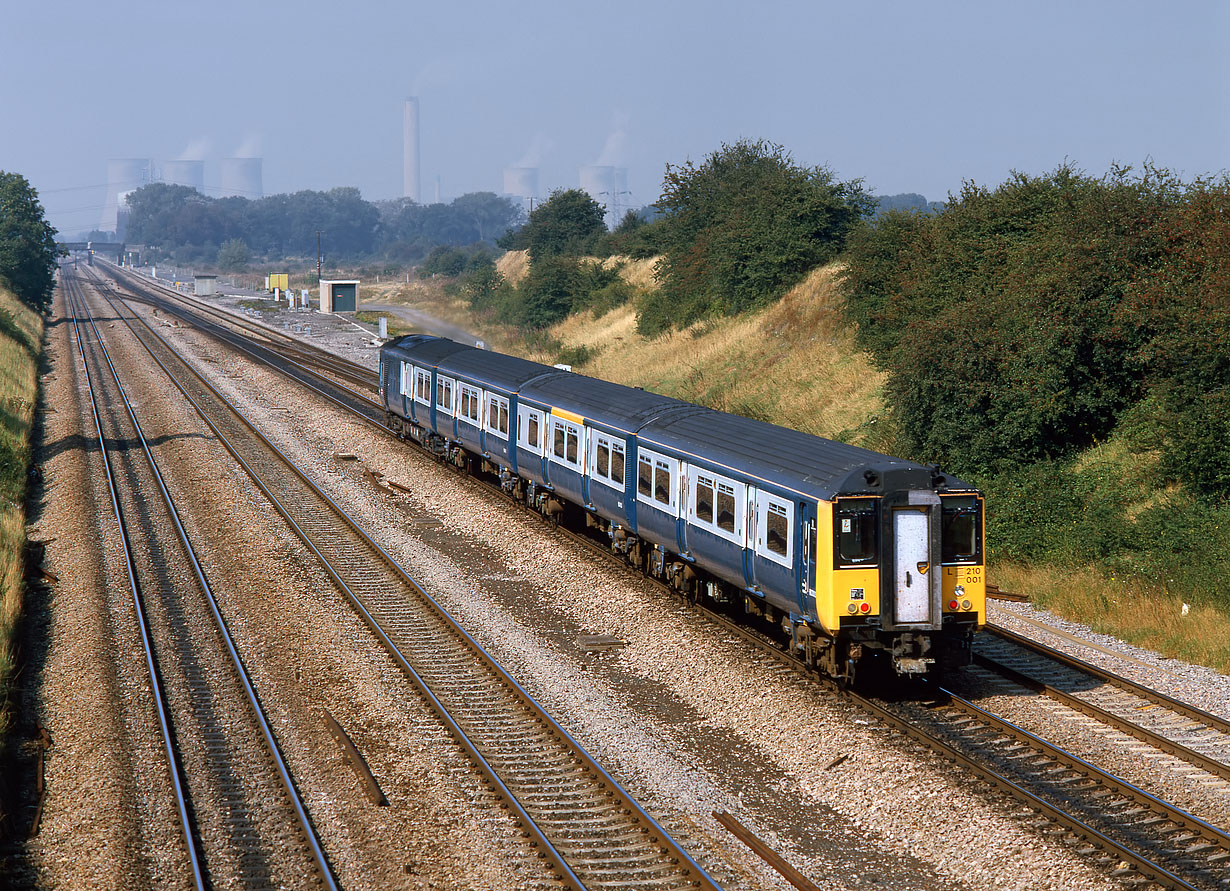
(319, 256)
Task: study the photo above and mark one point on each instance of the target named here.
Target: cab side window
(962, 529)
(856, 525)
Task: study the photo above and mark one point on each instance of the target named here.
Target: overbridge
(98, 247)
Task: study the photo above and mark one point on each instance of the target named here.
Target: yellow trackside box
(279, 280)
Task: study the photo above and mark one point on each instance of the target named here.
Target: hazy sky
(912, 97)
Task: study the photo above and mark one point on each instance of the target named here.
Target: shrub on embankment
(1065, 341)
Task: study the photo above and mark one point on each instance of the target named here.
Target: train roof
(780, 456)
(425, 349)
(611, 405)
(788, 458)
(496, 369)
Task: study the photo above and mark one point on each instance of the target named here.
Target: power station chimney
(410, 159)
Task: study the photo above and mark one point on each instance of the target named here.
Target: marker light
(952, 604)
(864, 607)
(965, 604)
(853, 608)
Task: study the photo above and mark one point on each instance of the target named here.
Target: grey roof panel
(779, 455)
(612, 405)
(424, 349)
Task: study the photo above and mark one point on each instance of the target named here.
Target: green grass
(21, 334)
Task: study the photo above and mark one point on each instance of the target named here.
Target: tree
(744, 226)
(549, 291)
(1021, 324)
(490, 214)
(28, 248)
(234, 256)
(569, 223)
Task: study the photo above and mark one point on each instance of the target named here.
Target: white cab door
(912, 537)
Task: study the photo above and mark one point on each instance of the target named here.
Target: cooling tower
(123, 175)
(599, 182)
(410, 149)
(521, 183)
(184, 173)
(241, 177)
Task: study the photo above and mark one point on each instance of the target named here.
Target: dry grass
(638, 273)
(794, 363)
(21, 333)
(1128, 609)
(514, 266)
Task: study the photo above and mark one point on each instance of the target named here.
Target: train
(854, 557)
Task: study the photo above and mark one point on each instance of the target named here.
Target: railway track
(239, 813)
(575, 815)
(1165, 845)
(1190, 734)
(244, 334)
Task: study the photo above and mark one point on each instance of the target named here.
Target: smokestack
(410, 160)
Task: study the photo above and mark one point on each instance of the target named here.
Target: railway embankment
(21, 333)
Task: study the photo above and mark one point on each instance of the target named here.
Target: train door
(681, 513)
(773, 546)
(911, 538)
(916, 574)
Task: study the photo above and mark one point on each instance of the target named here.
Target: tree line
(28, 251)
(194, 227)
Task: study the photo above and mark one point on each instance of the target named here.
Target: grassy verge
(1130, 609)
(21, 333)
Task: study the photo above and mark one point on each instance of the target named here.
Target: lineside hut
(205, 285)
(339, 295)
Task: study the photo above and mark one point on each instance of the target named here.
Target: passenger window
(531, 430)
(960, 530)
(603, 461)
(857, 532)
(617, 464)
(726, 508)
(572, 447)
(559, 440)
(704, 499)
(503, 425)
(777, 535)
(644, 477)
(662, 482)
(493, 415)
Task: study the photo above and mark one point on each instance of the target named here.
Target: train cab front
(908, 585)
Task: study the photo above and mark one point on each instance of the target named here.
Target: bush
(444, 260)
(1019, 325)
(742, 228)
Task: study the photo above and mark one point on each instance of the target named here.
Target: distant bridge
(98, 247)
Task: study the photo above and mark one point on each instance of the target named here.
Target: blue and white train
(853, 553)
